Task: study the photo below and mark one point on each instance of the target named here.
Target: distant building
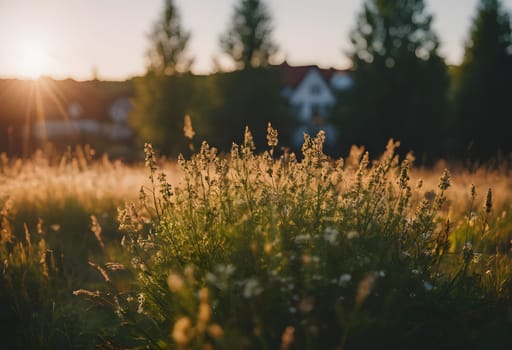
(66, 112)
(311, 93)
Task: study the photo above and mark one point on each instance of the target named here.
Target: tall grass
(255, 251)
(265, 251)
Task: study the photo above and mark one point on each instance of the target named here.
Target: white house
(85, 112)
(311, 93)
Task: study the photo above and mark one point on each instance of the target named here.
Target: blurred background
(433, 74)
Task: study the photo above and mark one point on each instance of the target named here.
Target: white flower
(221, 276)
(140, 300)
(331, 235)
(302, 239)
(344, 280)
(252, 288)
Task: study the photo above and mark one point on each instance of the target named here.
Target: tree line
(402, 86)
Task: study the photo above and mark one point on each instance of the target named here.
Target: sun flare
(33, 59)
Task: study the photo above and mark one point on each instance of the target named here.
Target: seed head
(271, 136)
(488, 201)
(444, 181)
(187, 128)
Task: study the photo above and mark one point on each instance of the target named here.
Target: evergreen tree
(249, 39)
(166, 54)
(484, 88)
(163, 97)
(399, 80)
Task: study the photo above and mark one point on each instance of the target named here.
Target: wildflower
(188, 131)
(221, 276)
(331, 235)
(476, 258)
(175, 282)
(215, 331)
(444, 181)
(150, 158)
(182, 331)
(302, 239)
(307, 304)
(488, 201)
(467, 252)
(306, 259)
(211, 278)
(352, 234)
(287, 338)
(141, 299)
(365, 288)
(404, 175)
(204, 295)
(252, 288)
(203, 316)
(316, 277)
(271, 136)
(344, 279)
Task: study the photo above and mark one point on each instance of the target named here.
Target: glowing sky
(70, 38)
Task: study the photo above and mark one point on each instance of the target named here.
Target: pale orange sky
(68, 38)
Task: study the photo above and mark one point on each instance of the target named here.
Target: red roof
(293, 75)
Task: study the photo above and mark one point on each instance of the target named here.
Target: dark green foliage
(400, 81)
(220, 106)
(248, 41)
(161, 104)
(484, 91)
(250, 97)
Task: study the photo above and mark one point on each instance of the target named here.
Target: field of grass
(254, 251)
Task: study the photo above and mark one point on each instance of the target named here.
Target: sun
(33, 59)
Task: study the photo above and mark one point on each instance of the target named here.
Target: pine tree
(166, 54)
(248, 41)
(484, 88)
(399, 79)
(163, 97)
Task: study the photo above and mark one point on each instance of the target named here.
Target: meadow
(249, 250)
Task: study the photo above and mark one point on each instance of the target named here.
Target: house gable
(312, 96)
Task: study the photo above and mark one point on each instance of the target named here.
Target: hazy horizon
(72, 38)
